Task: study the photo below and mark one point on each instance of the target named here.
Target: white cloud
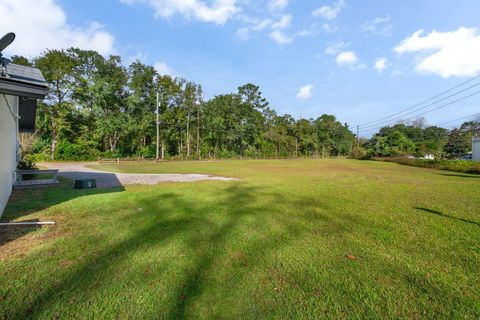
(380, 64)
(349, 59)
(315, 30)
(396, 73)
(447, 54)
(262, 24)
(164, 69)
(254, 25)
(305, 92)
(219, 12)
(328, 28)
(277, 28)
(335, 47)
(379, 25)
(283, 23)
(42, 24)
(243, 33)
(140, 56)
(280, 37)
(329, 12)
(277, 5)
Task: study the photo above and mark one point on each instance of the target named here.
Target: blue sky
(358, 60)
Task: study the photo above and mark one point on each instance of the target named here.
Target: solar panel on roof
(25, 74)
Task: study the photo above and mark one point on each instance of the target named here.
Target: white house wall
(476, 149)
(8, 146)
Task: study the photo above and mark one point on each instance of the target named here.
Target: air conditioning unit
(85, 184)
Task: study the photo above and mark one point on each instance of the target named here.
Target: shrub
(74, 151)
(449, 165)
(27, 163)
(250, 152)
(359, 153)
(38, 157)
(225, 154)
(475, 168)
(149, 151)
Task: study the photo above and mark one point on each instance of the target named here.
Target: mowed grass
(303, 239)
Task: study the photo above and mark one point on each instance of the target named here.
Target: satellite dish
(6, 41)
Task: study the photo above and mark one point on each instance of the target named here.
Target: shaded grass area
(448, 216)
(272, 245)
(472, 167)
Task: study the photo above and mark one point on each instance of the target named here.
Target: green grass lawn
(306, 239)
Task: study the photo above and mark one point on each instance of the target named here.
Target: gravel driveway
(106, 179)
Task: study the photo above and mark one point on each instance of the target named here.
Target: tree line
(421, 140)
(97, 107)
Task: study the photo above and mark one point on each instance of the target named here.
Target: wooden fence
(124, 160)
(173, 159)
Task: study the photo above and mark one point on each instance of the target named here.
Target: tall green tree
(142, 85)
(96, 106)
(457, 144)
(109, 91)
(58, 68)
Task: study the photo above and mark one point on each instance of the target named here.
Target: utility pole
(296, 147)
(198, 132)
(358, 135)
(158, 123)
(188, 134)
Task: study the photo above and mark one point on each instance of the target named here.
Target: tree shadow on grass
(104, 180)
(11, 233)
(161, 229)
(438, 213)
(24, 202)
(206, 239)
(97, 269)
(460, 175)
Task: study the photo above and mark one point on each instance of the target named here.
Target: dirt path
(106, 179)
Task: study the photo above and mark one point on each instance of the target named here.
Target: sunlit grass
(272, 245)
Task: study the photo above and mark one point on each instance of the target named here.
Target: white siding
(476, 149)
(8, 147)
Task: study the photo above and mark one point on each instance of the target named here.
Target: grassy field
(304, 239)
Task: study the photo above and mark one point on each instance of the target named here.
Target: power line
(447, 104)
(458, 119)
(424, 107)
(437, 108)
(421, 103)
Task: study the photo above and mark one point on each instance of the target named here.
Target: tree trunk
(296, 147)
(241, 148)
(53, 147)
(181, 145)
(188, 135)
(198, 135)
(113, 142)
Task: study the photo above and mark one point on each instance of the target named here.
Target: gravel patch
(105, 180)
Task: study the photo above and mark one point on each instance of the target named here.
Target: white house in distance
(476, 148)
(20, 87)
